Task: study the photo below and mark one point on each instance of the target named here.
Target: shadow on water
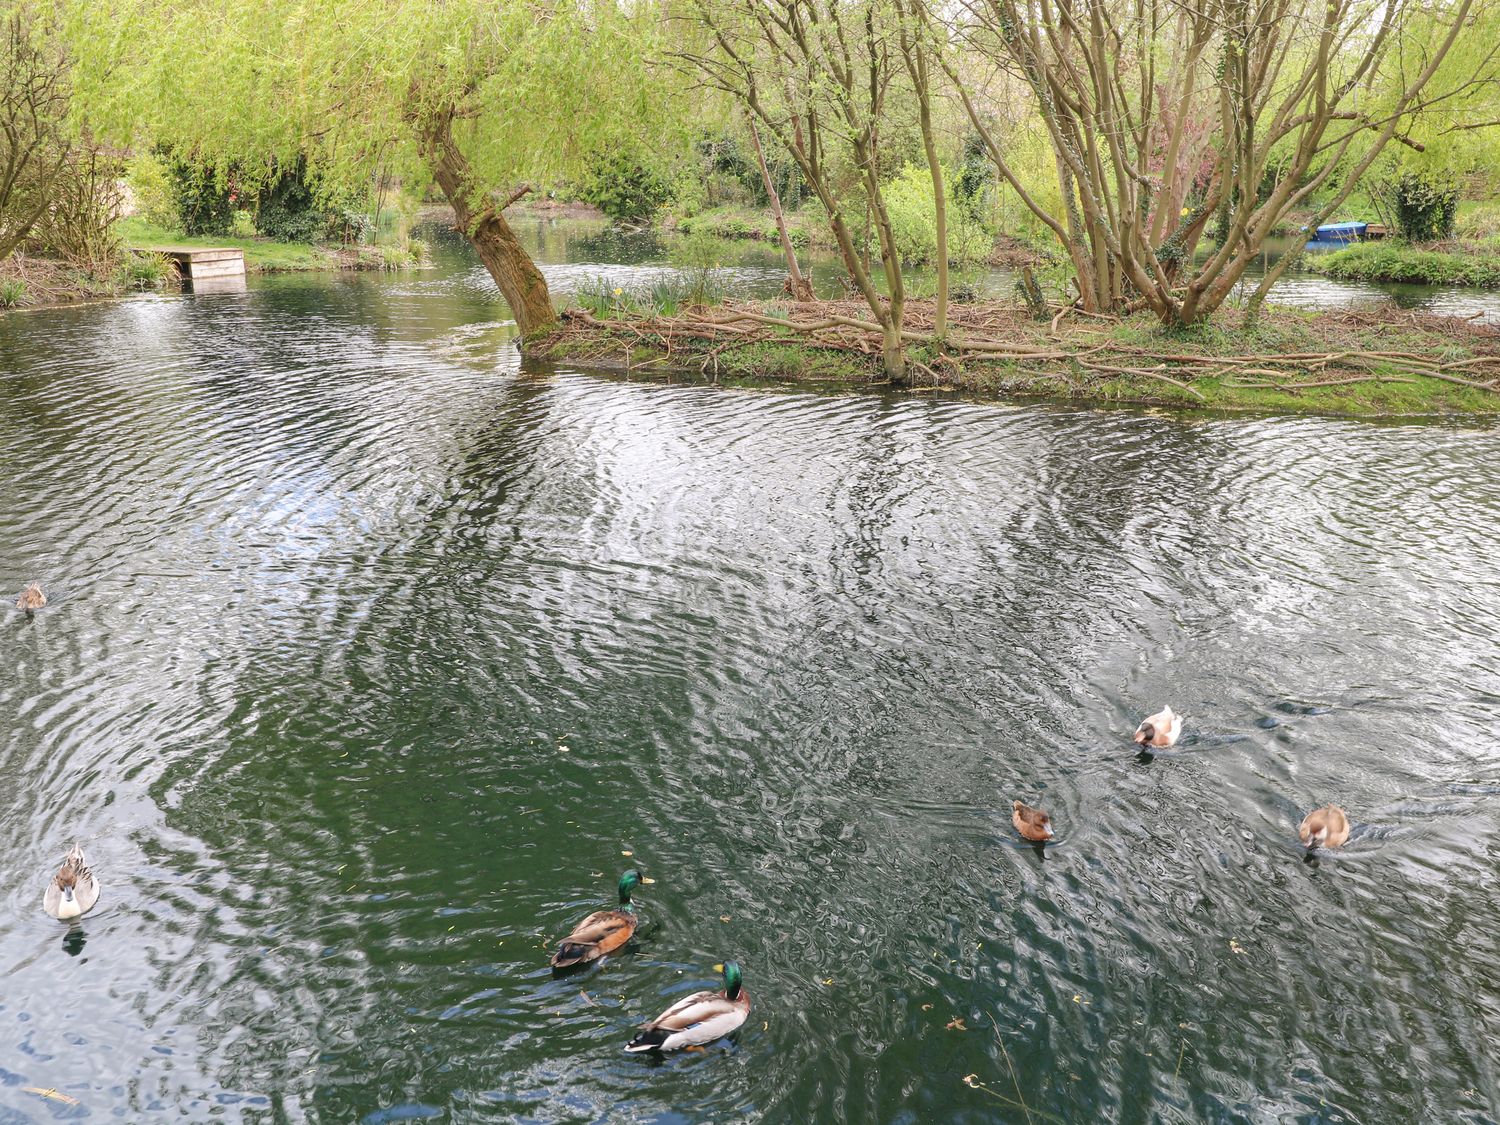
(382, 657)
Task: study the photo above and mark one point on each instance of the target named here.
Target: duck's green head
(732, 980)
(629, 882)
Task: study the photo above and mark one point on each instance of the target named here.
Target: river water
(372, 659)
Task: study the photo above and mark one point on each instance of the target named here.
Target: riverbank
(1467, 263)
(1378, 362)
(265, 256)
(28, 282)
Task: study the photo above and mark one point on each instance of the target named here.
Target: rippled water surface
(372, 660)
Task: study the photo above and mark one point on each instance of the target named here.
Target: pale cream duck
(1327, 827)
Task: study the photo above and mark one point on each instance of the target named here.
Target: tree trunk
(800, 286)
(520, 282)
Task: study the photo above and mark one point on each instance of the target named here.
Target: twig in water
(1019, 1096)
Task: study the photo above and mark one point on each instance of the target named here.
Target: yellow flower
(1184, 212)
(618, 292)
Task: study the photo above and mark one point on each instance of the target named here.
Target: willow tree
(480, 96)
(817, 74)
(1164, 114)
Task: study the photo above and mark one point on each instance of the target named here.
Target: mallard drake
(31, 598)
(1160, 729)
(1327, 827)
(1033, 824)
(73, 890)
(602, 931)
(697, 1019)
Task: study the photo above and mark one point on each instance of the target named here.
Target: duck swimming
(697, 1019)
(1032, 824)
(32, 598)
(73, 890)
(602, 931)
(1327, 827)
(1160, 729)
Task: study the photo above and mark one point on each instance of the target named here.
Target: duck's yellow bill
(718, 968)
(646, 880)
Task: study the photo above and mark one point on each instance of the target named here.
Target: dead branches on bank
(990, 343)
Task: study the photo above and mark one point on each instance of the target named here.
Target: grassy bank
(264, 256)
(1470, 263)
(1357, 363)
(806, 230)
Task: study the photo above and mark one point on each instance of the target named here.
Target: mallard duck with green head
(697, 1019)
(603, 931)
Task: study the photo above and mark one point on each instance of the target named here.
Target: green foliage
(349, 86)
(205, 198)
(737, 223)
(623, 187)
(287, 211)
(1424, 209)
(976, 177)
(909, 201)
(146, 270)
(152, 189)
(1478, 220)
(12, 292)
(698, 257)
(1393, 261)
(665, 296)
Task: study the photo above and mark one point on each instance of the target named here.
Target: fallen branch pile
(1082, 352)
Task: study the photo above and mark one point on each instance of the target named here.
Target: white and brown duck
(1159, 730)
(73, 890)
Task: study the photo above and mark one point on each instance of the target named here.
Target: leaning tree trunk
(520, 282)
(799, 286)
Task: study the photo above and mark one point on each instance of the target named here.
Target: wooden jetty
(206, 267)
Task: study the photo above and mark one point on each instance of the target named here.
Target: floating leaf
(50, 1095)
(926, 1007)
(970, 1079)
(723, 917)
(627, 853)
(1236, 947)
(957, 1024)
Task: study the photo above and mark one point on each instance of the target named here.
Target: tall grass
(12, 292)
(664, 297)
(146, 269)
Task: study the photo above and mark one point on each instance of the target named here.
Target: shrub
(1424, 210)
(909, 200)
(12, 292)
(287, 211)
(153, 192)
(1393, 261)
(623, 188)
(698, 256)
(86, 199)
(205, 198)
